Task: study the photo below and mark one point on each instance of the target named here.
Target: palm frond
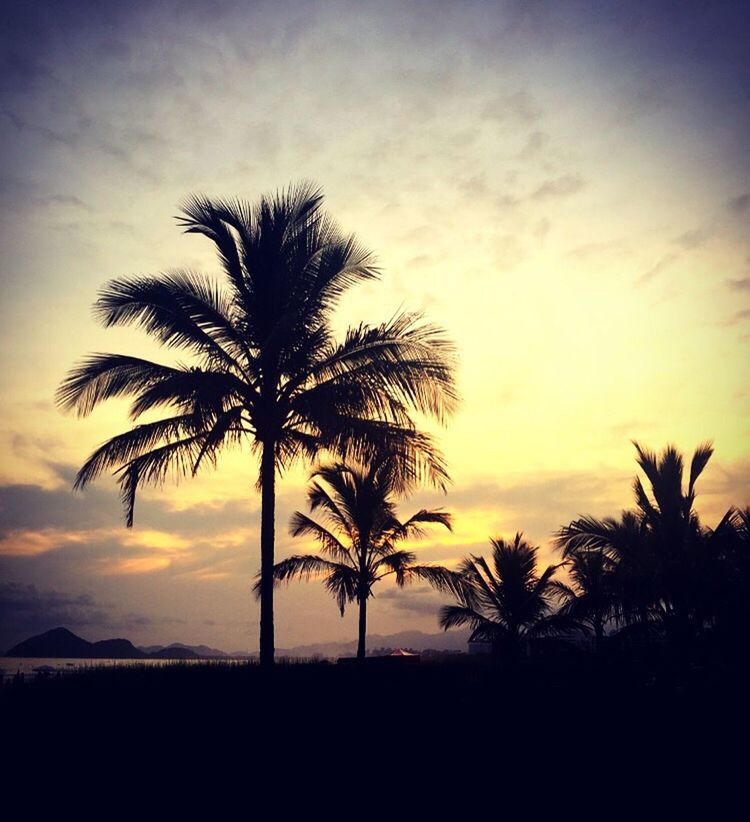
(412, 528)
(454, 616)
(702, 455)
(201, 216)
(403, 358)
(301, 525)
(397, 563)
(153, 467)
(126, 447)
(100, 377)
(179, 309)
(301, 566)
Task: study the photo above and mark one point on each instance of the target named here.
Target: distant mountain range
(202, 651)
(453, 641)
(62, 643)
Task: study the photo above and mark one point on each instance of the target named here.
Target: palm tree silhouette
(360, 546)
(591, 598)
(505, 603)
(661, 567)
(267, 370)
(729, 546)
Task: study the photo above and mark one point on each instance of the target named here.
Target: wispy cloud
(26, 610)
(562, 186)
(694, 238)
(516, 106)
(739, 204)
(738, 317)
(657, 269)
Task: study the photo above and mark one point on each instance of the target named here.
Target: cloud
(538, 504)
(606, 248)
(65, 200)
(21, 124)
(660, 266)
(562, 186)
(535, 142)
(695, 238)
(519, 106)
(740, 204)
(415, 600)
(724, 483)
(737, 318)
(25, 611)
(30, 507)
(21, 73)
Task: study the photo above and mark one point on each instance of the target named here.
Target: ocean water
(10, 666)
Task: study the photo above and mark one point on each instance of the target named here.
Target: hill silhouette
(200, 651)
(415, 640)
(60, 642)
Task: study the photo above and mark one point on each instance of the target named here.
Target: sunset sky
(564, 186)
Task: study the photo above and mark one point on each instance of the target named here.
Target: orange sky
(566, 193)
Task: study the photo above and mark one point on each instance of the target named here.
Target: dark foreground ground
(462, 724)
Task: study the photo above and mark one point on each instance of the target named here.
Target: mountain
(200, 651)
(115, 649)
(62, 643)
(59, 642)
(415, 640)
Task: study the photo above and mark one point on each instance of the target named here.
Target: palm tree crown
(266, 368)
(591, 597)
(506, 601)
(359, 541)
(657, 553)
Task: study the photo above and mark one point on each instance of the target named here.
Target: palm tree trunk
(267, 515)
(362, 627)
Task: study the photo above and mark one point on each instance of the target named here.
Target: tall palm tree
(359, 542)
(267, 371)
(506, 602)
(658, 551)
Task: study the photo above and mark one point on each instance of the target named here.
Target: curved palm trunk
(362, 627)
(267, 515)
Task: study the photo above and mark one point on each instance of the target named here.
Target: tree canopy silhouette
(359, 542)
(267, 371)
(506, 602)
(663, 564)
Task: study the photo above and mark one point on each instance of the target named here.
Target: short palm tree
(504, 601)
(590, 598)
(267, 371)
(359, 541)
(729, 544)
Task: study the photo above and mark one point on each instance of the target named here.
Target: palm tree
(267, 371)
(591, 598)
(729, 544)
(505, 603)
(360, 546)
(660, 563)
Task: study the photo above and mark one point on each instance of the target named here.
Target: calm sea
(31, 667)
